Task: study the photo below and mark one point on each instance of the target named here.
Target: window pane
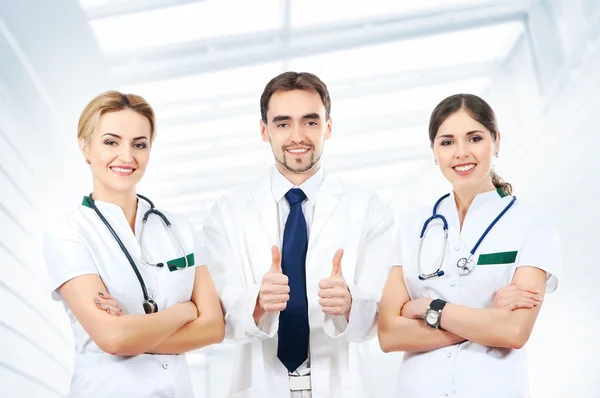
(185, 23)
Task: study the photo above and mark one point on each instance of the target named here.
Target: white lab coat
(239, 233)
(521, 237)
(82, 245)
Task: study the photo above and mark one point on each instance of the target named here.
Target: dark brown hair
(480, 111)
(289, 81)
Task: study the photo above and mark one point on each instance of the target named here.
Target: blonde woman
(142, 267)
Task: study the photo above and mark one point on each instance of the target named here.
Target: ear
(264, 132)
(83, 148)
(498, 143)
(433, 154)
(328, 129)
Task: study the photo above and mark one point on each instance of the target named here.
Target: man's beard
(289, 163)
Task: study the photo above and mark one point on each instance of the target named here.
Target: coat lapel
(263, 227)
(327, 200)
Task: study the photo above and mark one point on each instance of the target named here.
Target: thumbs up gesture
(274, 290)
(334, 295)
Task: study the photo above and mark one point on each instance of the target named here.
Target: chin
(121, 187)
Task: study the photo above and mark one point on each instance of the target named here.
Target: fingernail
(98, 303)
(108, 310)
(101, 294)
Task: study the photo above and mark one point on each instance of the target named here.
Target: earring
(88, 161)
(435, 160)
(496, 155)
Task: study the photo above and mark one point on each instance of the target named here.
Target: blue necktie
(292, 349)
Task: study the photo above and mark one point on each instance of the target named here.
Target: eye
(476, 138)
(110, 142)
(141, 145)
(446, 143)
(282, 125)
(312, 123)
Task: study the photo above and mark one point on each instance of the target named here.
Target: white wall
(41, 86)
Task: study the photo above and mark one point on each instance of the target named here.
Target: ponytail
(498, 182)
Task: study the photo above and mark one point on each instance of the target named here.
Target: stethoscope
(465, 265)
(150, 305)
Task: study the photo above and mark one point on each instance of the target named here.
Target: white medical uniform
(521, 237)
(239, 233)
(83, 245)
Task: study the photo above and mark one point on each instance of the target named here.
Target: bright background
(203, 65)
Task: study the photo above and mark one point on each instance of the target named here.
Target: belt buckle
(299, 383)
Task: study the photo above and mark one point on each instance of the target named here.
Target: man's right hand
(274, 290)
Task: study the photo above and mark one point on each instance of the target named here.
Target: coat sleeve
(238, 297)
(375, 257)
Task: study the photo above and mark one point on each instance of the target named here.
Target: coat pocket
(497, 258)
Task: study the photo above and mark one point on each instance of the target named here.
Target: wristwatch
(434, 313)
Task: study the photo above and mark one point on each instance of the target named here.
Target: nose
(126, 153)
(297, 134)
(462, 150)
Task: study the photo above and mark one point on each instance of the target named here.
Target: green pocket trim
(497, 258)
(179, 263)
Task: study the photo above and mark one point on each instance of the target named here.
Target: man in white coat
(302, 315)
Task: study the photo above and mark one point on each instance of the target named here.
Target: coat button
(456, 248)
(165, 365)
(452, 283)
(449, 355)
(151, 295)
(445, 394)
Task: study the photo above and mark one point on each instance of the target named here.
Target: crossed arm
(179, 328)
(508, 324)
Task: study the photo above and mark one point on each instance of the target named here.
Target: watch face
(432, 317)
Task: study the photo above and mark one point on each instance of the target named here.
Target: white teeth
(298, 150)
(120, 170)
(464, 168)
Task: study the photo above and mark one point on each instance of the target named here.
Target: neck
(297, 178)
(127, 201)
(464, 197)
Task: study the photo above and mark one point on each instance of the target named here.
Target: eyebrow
(143, 137)
(280, 118)
(452, 135)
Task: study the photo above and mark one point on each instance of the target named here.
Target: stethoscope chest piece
(150, 306)
(465, 266)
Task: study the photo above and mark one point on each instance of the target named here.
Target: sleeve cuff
(362, 319)
(241, 314)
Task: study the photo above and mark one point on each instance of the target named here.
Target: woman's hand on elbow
(105, 302)
(415, 309)
(517, 296)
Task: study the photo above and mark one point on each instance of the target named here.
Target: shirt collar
(114, 210)
(281, 185)
(482, 198)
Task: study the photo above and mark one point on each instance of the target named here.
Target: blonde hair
(112, 101)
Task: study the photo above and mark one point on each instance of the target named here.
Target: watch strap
(437, 304)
